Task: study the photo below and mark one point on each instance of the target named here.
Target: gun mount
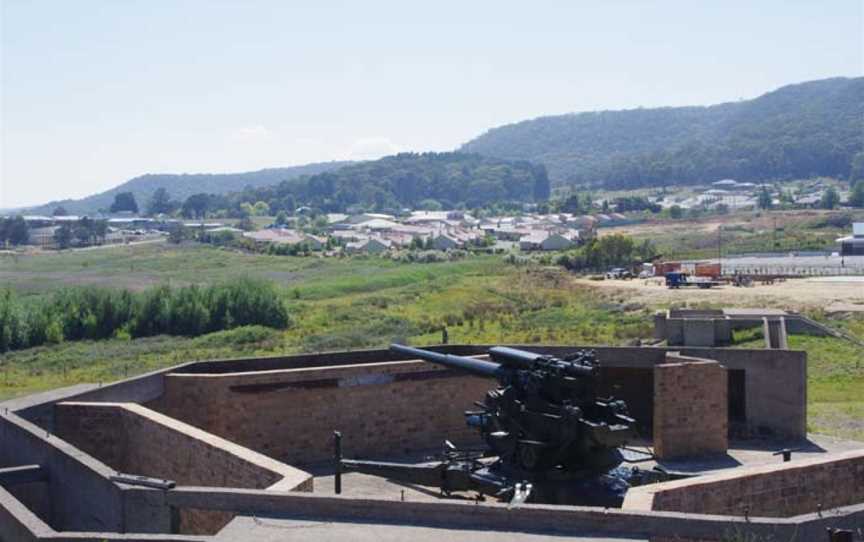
(549, 436)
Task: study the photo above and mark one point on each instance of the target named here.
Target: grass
(835, 372)
(369, 302)
(752, 232)
(334, 304)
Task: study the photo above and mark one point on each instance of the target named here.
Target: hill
(181, 186)
(451, 179)
(797, 131)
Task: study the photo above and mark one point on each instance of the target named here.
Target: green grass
(334, 304)
(369, 302)
(835, 374)
(792, 234)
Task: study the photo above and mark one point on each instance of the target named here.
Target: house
(853, 245)
(369, 246)
(275, 235)
(547, 240)
(444, 241)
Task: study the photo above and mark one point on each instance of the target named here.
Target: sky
(94, 92)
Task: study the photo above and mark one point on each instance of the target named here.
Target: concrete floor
(276, 529)
(287, 530)
(742, 453)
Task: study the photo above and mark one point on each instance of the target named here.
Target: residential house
(549, 240)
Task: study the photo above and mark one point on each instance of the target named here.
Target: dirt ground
(830, 294)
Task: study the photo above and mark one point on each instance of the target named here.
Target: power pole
(720, 247)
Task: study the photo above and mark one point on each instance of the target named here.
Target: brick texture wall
(776, 490)
(133, 439)
(382, 409)
(690, 408)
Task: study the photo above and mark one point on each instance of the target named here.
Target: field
(744, 232)
(370, 302)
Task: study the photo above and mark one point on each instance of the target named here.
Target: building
(43, 237)
(853, 245)
(369, 246)
(546, 240)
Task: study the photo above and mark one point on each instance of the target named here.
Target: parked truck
(679, 279)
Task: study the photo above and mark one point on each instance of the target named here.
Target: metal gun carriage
(548, 435)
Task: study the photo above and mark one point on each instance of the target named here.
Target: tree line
(92, 313)
(430, 181)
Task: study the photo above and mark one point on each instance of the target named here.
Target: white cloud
(370, 148)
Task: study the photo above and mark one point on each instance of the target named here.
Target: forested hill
(801, 130)
(181, 186)
(408, 180)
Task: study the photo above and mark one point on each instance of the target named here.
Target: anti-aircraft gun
(548, 434)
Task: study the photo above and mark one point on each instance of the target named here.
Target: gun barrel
(518, 359)
(475, 366)
(522, 359)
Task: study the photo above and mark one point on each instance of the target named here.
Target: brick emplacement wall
(690, 408)
(776, 490)
(382, 409)
(136, 440)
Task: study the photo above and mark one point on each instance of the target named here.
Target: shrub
(91, 313)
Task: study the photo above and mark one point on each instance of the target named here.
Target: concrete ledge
(799, 486)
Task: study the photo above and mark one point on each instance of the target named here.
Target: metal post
(337, 444)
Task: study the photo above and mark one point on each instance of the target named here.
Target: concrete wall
(382, 409)
(135, 440)
(290, 414)
(777, 490)
(79, 496)
(690, 408)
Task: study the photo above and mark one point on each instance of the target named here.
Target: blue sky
(96, 92)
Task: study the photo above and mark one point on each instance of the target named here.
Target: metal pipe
(337, 444)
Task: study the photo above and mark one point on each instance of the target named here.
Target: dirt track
(794, 294)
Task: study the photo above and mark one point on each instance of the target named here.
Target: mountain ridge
(803, 129)
(182, 185)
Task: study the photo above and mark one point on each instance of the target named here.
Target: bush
(74, 314)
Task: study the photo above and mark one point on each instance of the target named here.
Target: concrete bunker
(283, 410)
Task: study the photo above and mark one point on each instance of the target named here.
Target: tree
(430, 204)
(246, 209)
(124, 201)
(246, 224)
(676, 212)
(856, 198)
(17, 232)
(160, 202)
(281, 218)
(542, 186)
(856, 172)
(261, 208)
(60, 211)
(572, 204)
(764, 201)
(63, 236)
(830, 198)
(196, 206)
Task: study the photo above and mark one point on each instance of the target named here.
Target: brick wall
(690, 408)
(382, 409)
(136, 440)
(776, 490)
